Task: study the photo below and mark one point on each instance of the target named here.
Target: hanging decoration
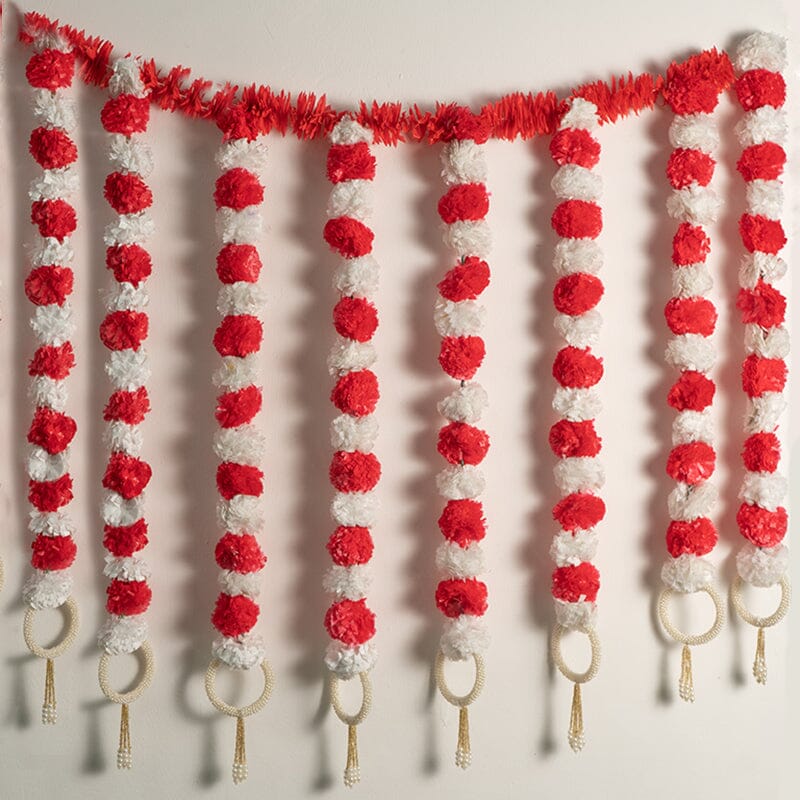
(690, 89)
(48, 286)
(354, 470)
(123, 331)
(763, 560)
(577, 220)
(459, 317)
(239, 444)
(692, 94)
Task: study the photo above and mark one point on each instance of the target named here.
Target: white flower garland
(762, 133)
(579, 474)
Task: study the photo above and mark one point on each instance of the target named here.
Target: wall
(642, 741)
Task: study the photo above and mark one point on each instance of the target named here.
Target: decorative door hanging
(691, 90)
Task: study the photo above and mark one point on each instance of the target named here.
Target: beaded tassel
(760, 663)
(463, 751)
(124, 757)
(576, 738)
(686, 682)
(49, 711)
(239, 754)
(352, 771)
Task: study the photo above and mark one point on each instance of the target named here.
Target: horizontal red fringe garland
(257, 109)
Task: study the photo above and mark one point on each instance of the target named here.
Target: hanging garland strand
(763, 561)
(125, 117)
(307, 116)
(579, 475)
(239, 445)
(459, 319)
(354, 470)
(48, 286)
(691, 317)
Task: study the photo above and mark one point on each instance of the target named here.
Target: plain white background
(642, 741)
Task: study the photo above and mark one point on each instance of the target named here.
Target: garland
(691, 317)
(763, 561)
(48, 286)
(125, 117)
(239, 445)
(459, 318)
(307, 116)
(577, 221)
(354, 470)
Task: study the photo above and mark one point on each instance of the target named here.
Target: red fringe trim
(257, 109)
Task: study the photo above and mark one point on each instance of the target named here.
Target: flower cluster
(692, 94)
(49, 286)
(459, 318)
(238, 444)
(124, 331)
(762, 133)
(577, 220)
(354, 470)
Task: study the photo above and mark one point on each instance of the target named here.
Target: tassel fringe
(352, 772)
(760, 663)
(686, 682)
(239, 754)
(463, 750)
(576, 738)
(124, 753)
(49, 711)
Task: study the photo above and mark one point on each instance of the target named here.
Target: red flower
(54, 218)
(690, 245)
(53, 361)
(577, 368)
(48, 285)
(126, 114)
(570, 439)
(130, 263)
(127, 193)
(577, 293)
(691, 315)
(762, 452)
(354, 472)
(128, 598)
(238, 262)
(691, 463)
(760, 87)
(763, 161)
(762, 305)
(465, 201)
(577, 219)
(459, 596)
(693, 391)
(575, 583)
(689, 166)
(350, 544)
(50, 495)
(239, 553)
(125, 540)
(348, 162)
(697, 536)
(350, 621)
(356, 393)
(53, 552)
(234, 615)
(460, 443)
(238, 335)
(579, 511)
(575, 146)
(239, 407)
(124, 330)
(465, 281)
(130, 407)
(460, 356)
(126, 475)
(52, 148)
(760, 526)
(234, 479)
(51, 430)
(50, 69)
(760, 375)
(238, 188)
(348, 236)
(762, 234)
(462, 522)
(355, 318)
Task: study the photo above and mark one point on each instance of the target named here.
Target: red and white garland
(761, 90)
(354, 469)
(579, 475)
(691, 317)
(459, 318)
(123, 331)
(48, 286)
(238, 444)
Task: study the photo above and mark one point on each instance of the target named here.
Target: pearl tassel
(686, 682)
(463, 751)
(760, 663)
(239, 754)
(124, 756)
(49, 711)
(575, 737)
(352, 772)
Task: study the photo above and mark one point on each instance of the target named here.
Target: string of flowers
(239, 445)
(763, 521)
(48, 286)
(124, 330)
(354, 470)
(459, 319)
(691, 317)
(579, 475)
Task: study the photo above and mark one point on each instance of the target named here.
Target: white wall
(642, 741)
